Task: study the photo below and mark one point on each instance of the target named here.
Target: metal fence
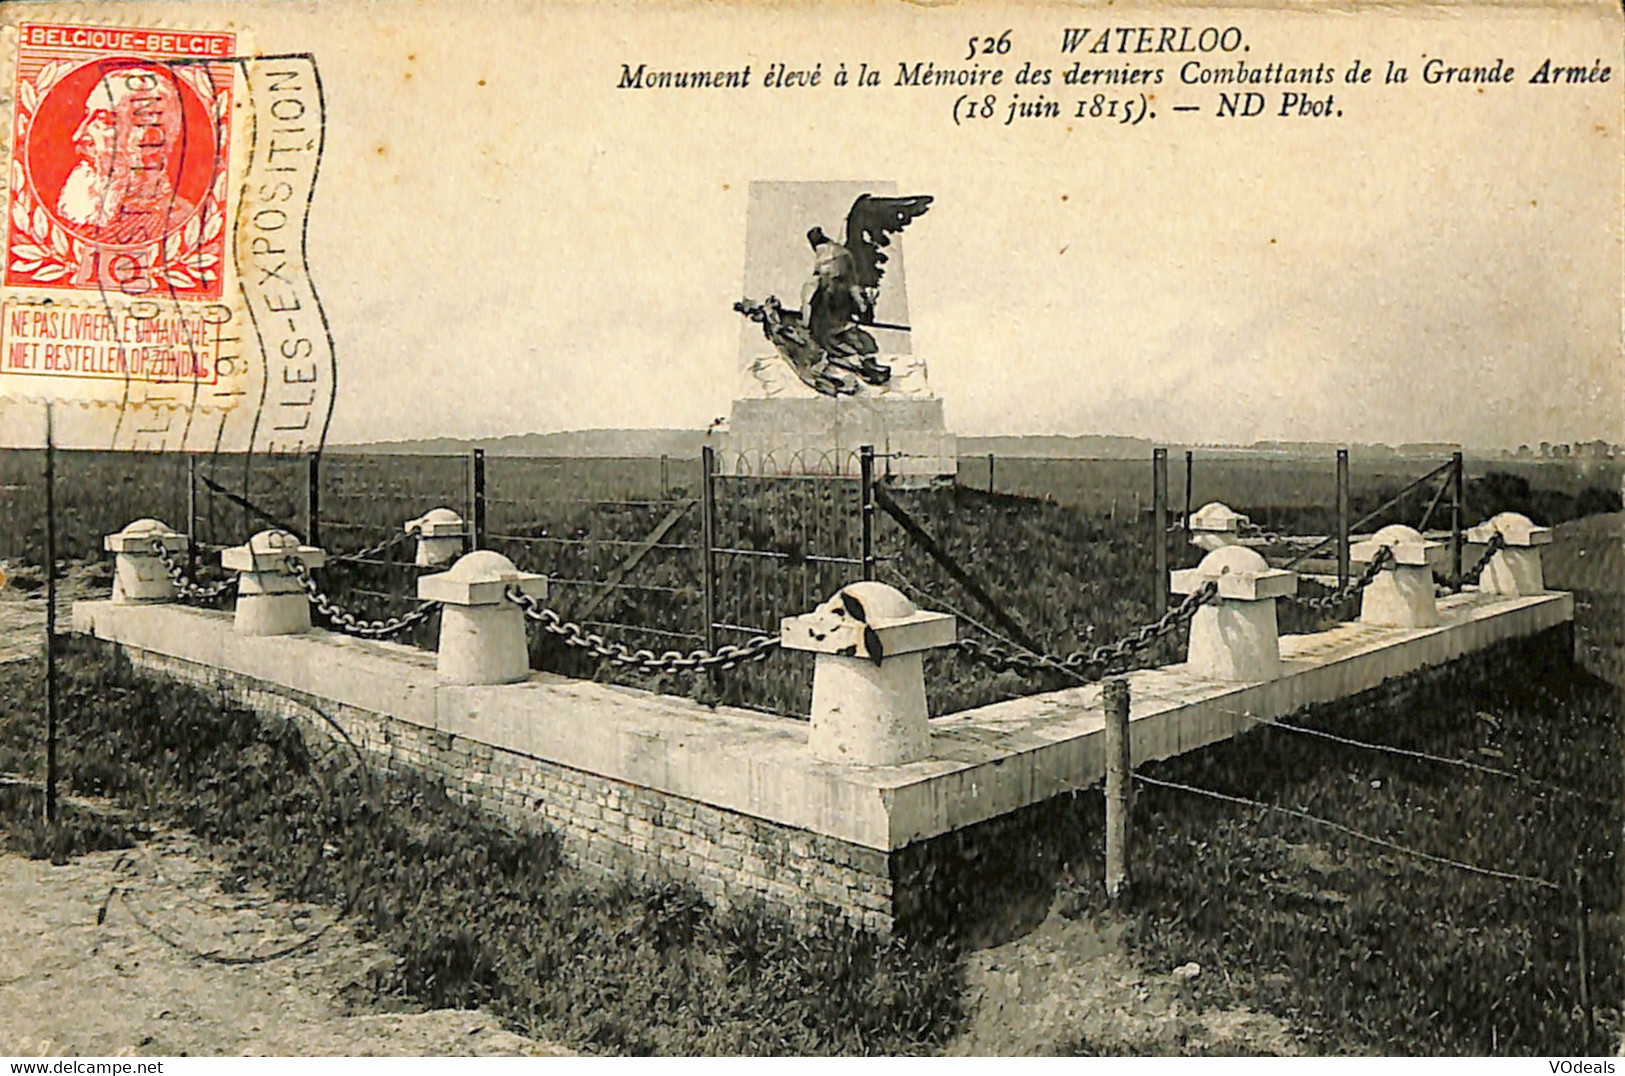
(668, 555)
(620, 553)
(626, 539)
(659, 560)
(1315, 537)
(780, 545)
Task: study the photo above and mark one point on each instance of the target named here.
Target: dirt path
(71, 986)
(135, 984)
(22, 625)
(22, 605)
(1070, 986)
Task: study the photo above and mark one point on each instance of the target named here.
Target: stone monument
(815, 386)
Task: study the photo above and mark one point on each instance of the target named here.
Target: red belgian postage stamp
(118, 179)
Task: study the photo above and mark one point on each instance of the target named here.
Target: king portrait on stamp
(121, 192)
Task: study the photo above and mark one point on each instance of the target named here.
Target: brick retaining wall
(603, 824)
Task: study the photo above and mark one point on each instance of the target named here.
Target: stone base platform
(821, 435)
(733, 800)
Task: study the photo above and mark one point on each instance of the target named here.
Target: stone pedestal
(1216, 525)
(441, 534)
(1237, 638)
(870, 714)
(1513, 572)
(868, 681)
(482, 633)
(270, 598)
(821, 435)
(1515, 568)
(139, 576)
(1401, 596)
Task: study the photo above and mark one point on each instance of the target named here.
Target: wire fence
(101, 491)
(1561, 873)
(1535, 783)
(1349, 831)
(782, 545)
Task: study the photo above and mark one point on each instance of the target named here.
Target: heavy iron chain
(1498, 542)
(346, 621)
(726, 657)
(1088, 665)
(1327, 602)
(1248, 529)
(186, 589)
(380, 549)
(1245, 528)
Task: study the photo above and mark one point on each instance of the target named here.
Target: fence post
(313, 499)
(990, 476)
(476, 498)
(1342, 517)
(1159, 525)
(248, 514)
(708, 543)
(1189, 466)
(50, 615)
(191, 513)
(1119, 790)
(1458, 508)
(866, 490)
(664, 484)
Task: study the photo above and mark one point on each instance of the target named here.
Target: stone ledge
(386, 678)
(986, 762)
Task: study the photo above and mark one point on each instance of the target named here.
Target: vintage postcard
(743, 528)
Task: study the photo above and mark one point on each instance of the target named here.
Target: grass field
(1357, 949)
(1277, 492)
(363, 497)
(1365, 949)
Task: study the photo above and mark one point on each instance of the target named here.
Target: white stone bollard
(1401, 596)
(1515, 568)
(139, 576)
(868, 704)
(1237, 638)
(270, 598)
(1215, 526)
(440, 537)
(482, 633)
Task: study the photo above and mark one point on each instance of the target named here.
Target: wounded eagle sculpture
(825, 342)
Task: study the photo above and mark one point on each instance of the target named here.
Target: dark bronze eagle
(839, 298)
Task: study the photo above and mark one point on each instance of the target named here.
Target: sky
(505, 242)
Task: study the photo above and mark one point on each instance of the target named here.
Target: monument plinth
(826, 362)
